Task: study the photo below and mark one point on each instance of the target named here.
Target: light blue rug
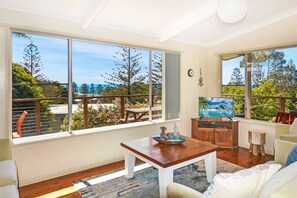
(144, 184)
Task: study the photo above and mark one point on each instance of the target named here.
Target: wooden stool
(257, 141)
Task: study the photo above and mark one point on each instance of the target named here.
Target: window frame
(69, 39)
(248, 70)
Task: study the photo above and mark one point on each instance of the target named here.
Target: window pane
(273, 83)
(39, 83)
(233, 81)
(108, 81)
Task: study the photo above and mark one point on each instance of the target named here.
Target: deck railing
(280, 101)
(37, 121)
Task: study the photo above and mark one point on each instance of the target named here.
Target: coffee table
(166, 158)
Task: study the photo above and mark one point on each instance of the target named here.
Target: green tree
(24, 85)
(237, 100)
(22, 82)
(127, 69)
(21, 35)
(84, 89)
(74, 88)
(53, 89)
(157, 68)
(287, 79)
(264, 108)
(258, 74)
(92, 89)
(96, 118)
(157, 76)
(32, 61)
(99, 88)
(236, 77)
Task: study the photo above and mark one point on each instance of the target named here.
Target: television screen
(215, 107)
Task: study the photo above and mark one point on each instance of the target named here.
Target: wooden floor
(62, 186)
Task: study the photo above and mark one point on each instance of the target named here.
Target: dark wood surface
(62, 186)
(166, 155)
(220, 131)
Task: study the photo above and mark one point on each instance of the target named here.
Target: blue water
(104, 86)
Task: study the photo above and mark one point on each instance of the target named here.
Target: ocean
(104, 86)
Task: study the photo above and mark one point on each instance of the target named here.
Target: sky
(228, 66)
(90, 60)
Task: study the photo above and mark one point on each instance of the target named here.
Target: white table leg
(211, 166)
(165, 177)
(129, 164)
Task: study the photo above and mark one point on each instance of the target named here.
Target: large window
(110, 85)
(270, 77)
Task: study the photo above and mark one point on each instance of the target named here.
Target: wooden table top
(166, 155)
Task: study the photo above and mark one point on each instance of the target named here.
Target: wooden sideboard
(220, 131)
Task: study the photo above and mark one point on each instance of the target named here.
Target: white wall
(3, 80)
(279, 34)
(41, 160)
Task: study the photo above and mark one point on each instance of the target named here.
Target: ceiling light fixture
(231, 11)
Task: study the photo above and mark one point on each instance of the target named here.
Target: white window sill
(59, 135)
(261, 122)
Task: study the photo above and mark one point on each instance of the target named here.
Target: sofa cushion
(241, 184)
(292, 156)
(5, 149)
(8, 173)
(293, 127)
(281, 182)
(10, 191)
(175, 190)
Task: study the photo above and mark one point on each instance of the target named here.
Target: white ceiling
(191, 21)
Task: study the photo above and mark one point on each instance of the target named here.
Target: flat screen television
(216, 107)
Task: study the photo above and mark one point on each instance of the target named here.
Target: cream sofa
(282, 132)
(281, 185)
(8, 172)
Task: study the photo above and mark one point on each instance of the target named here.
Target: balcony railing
(280, 103)
(46, 115)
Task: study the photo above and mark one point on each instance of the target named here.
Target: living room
(48, 156)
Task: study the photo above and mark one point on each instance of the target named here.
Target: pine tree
(236, 77)
(84, 89)
(157, 68)
(127, 69)
(92, 89)
(257, 74)
(287, 81)
(99, 89)
(74, 88)
(32, 61)
(21, 35)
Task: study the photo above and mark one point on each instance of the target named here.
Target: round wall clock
(190, 73)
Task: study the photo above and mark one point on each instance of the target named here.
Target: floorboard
(62, 186)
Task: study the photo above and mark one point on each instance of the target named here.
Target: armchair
(8, 172)
(282, 133)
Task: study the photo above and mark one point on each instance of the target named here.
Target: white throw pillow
(293, 127)
(242, 184)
